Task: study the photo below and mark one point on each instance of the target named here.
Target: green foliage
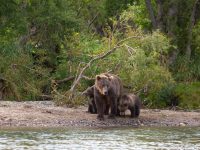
(137, 14)
(196, 40)
(165, 96)
(43, 41)
(185, 95)
(25, 82)
(189, 95)
(114, 7)
(53, 22)
(186, 70)
(144, 68)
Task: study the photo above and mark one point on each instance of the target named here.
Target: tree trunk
(151, 13)
(171, 23)
(190, 27)
(159, 15)
(172, 20)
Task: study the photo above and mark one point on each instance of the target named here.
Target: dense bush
(188, 95)
(145, 67)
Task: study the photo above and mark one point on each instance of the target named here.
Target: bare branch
(87, 78)
(89, 63)
(77, 80)
(46, 97)
(71, 78)
(65, 80)
(129, 49)
(91, 22)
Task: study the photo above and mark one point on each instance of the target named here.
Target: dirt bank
(46, 114)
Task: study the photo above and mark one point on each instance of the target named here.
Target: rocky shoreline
(47, 114)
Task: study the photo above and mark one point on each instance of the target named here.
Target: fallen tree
(101, 56)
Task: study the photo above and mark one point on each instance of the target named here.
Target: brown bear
(131, 102)
(89, 92)
(107, 93)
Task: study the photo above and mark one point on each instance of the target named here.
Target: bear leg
(90, 109)
(100, 109)
(137, 110)
(94, 106)
(107, 109)
(113, 109)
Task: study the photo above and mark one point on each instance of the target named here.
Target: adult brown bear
(131, 102)
(107, 93)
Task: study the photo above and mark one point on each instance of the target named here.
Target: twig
(65, 80)
(128, 38)
(129, 49)
(93, 20)
(87, 78)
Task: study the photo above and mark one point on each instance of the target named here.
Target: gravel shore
(47, 114)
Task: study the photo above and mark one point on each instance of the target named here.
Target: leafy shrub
(183, 95)
(26, 81)
(189, 95)
(146, 68)
(185, 70)
(166, 96)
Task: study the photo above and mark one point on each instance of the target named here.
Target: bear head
(103, 83)
(124, 104)
(89, 92)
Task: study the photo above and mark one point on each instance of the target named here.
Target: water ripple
(98, 139)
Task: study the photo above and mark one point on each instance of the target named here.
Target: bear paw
(101, 118)
(111, 116)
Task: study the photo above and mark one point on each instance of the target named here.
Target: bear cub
(131, 102)
(89, 92)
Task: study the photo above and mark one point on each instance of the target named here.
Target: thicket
(44, 45)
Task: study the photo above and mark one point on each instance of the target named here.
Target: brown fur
(107, 92)
(131, 102)
(89, 92)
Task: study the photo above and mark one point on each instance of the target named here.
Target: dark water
(129, 138)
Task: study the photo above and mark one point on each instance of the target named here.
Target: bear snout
(105, 91)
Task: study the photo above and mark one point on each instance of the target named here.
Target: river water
(94, 139)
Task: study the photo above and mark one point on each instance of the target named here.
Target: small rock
(27, 106)
(48, 111)
(182, 124)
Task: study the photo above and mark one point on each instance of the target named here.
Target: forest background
(52, 49)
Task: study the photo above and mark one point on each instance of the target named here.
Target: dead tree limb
(77, 80)
(46, 97)
(87, 78)
(71, 78)
(65, 80)
(88, 65)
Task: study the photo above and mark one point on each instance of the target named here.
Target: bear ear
(110, 78)
(125, 96)
(98, 77)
